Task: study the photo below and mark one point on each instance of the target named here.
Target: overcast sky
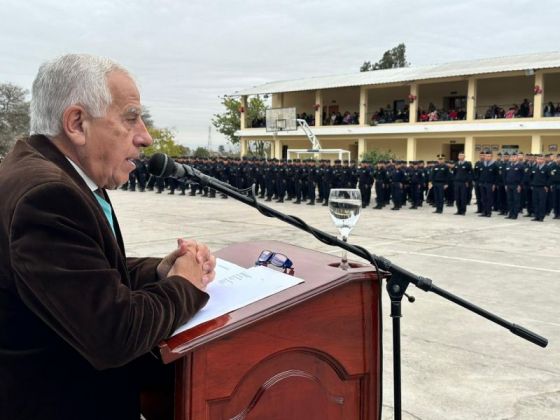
(187, 54)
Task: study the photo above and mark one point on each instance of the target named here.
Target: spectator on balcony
(557, 111)
(525, 109)
(462, 114)
(347, 118)
(431, 107)
(433, 115)
(423, 117)
(511, 112)
(452, 114)
(549, 109)
(339, 118)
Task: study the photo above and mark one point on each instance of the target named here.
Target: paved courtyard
(456, 365)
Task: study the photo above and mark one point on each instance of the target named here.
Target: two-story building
(501, 104)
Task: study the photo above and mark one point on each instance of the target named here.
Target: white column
(243, 113)
(471, 100)
(361, 148)
(538, 99)
(278, 149)
(363, 105)
(242, 147)
(536, 143)
(410, 149)
(413, 106)
(319, 108)
(469, 148)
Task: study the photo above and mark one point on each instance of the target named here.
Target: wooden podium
(312, 351)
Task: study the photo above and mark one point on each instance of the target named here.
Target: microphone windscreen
(161, 165)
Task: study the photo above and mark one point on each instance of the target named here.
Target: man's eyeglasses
(277, 260)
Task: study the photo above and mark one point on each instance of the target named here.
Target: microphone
(163, 166)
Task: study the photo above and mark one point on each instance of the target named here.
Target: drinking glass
(344, 206)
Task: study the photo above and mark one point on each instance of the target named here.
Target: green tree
(377, 155)
(201, 152)
(393, 58)
(164, 142)
(229, 122)
(14, 115)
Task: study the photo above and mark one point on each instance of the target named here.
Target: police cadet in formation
(539, 188)
(259, 178)
(500, 199)
(449, 192)
(487, 182)
(281, 181)
(440, 179)
(417, 180)
(397, 178)
(365, 181)
(476, 181)
(462, 175)
(550, 163)
(381, 178)
(555, 186)
(513, 181)
(526, 193)
(530, 182)
(312, 181)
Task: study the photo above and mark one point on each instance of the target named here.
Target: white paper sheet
(235, 287)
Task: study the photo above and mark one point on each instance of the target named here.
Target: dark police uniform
(539, 187)
(462, 176)
(440, 180)
(487, 181)
(554, 180)
(417, 180)
(513, 180)
(365, 181)
(397, 178)
(476, 178)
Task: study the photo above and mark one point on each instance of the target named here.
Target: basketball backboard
(281, 119)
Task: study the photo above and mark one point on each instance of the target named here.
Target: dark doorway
(455, 102)
(284, 152)
(454, 150)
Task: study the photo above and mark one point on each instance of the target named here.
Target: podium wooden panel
(310, 352)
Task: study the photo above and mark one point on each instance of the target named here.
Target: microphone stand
(397, 282)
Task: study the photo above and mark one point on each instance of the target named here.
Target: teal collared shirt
(106, 209)
(105, 206)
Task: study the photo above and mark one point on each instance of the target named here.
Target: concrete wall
(435, 92)
(504, 92)
(427, 148)
(551, 140)
(552, 88)
(524, 142)
(381, 97)
(347, 99)
(302, 101)
(391, 145)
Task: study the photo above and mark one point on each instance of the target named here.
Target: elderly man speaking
(77, 318)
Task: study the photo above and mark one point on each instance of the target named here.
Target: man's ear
(73, 121)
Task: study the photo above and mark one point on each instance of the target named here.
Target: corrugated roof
(409, 74)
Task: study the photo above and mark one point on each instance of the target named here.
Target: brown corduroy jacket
(76, 316)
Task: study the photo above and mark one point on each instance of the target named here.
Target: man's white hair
(72, 79)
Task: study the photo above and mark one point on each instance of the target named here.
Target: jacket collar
(48, 149)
